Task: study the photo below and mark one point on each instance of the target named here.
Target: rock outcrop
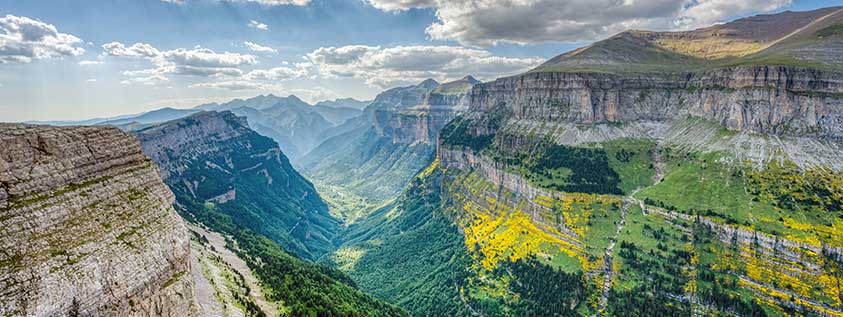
(416, 114)
(87, 227)
(774, 100)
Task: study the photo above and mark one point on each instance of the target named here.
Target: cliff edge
(87, 227)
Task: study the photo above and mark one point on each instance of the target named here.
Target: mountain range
(649, 174)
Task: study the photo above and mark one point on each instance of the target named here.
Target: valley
(688, 173)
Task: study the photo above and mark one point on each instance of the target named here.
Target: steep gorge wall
(421, 117)
(87, 227)
(776, 100)
(216, 157)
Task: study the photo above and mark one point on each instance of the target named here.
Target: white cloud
(237, 85)
(203, 57)
(258, 79)
(401, 5)
(87, 62)
(384, 67)
(708, 12)
(491, 22)
(257, 25)
(259, 48)
(136, 50)
(198, 61)
(280, 73)
(23, 39)
(91, 80)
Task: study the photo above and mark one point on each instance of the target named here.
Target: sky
(72, 60)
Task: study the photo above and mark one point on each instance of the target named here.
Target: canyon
(652, 173)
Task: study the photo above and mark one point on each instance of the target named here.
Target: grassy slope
(653, 52)
(700, 184)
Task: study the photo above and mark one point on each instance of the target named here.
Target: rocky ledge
(771, 100)
(87, 227)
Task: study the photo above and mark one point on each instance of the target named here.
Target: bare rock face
(770, 100)
(414, 114)
(87, 227)
(186, 138)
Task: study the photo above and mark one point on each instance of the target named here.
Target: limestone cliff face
(87, 227)
(416, 114)
(775, 100)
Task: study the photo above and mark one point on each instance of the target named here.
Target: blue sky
(65, 59)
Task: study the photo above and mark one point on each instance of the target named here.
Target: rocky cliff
(777, 100)
(376, 157)
(214, 157)
(87, 227)
(416, 114)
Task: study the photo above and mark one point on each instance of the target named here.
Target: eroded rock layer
(87, 227)
(777, 100)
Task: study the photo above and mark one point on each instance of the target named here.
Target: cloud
(257, 25)
(198, 61)
(91, 80)
(87, 63)
(492, 22)
(708, 12)
(237, 85)
(402, 5)
(136, 50)
(280, 73)
(259, 79)
(384, 67)
(203, 57)
(259, 48)
(23, 39)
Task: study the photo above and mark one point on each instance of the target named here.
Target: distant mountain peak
(429, 83)
(344, 103)
(295, 98)
(470, 79)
